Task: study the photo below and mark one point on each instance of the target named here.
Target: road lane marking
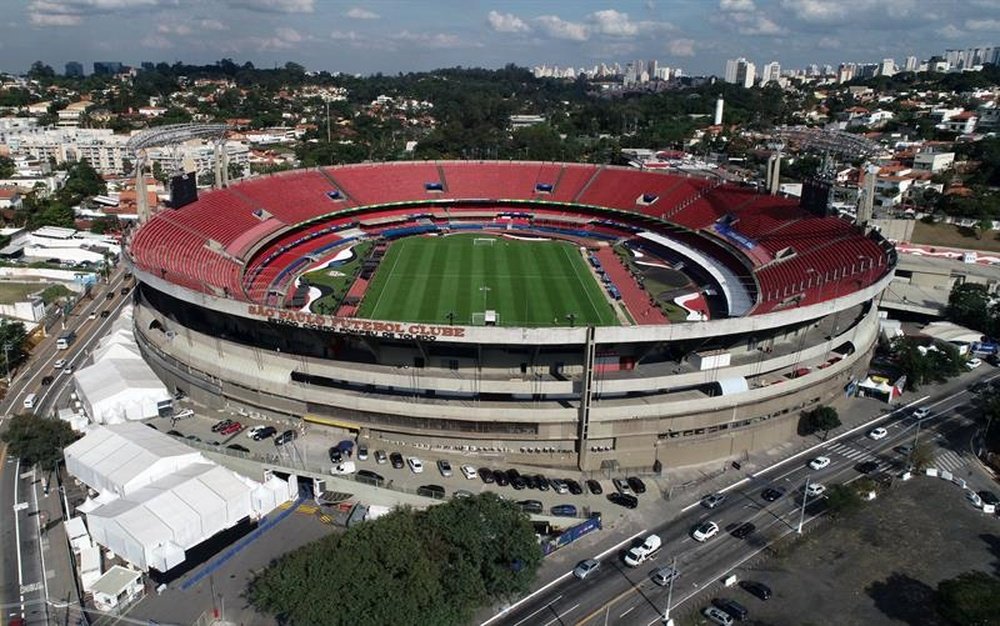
(626, 612)
(557, 598)
(558, 618)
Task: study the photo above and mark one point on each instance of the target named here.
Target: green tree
(435, 566)
(41, 72)
(822, 418)
(843, 499)
(14, 336)
(6, 167)
(923, 364)
(969, 304)
(38, 441)
(970, 599)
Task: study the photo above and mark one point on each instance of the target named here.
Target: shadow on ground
(906, 599)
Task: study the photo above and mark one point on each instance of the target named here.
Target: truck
(65, 340)
(642, 553)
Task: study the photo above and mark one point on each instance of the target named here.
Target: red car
(233, 428)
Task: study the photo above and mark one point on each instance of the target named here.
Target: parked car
(381, 457)
(542, 482)
(516, 480)
(369, 477)
(431, 491)
(988, 497)
(238, 447)
(469, 472)
(486, 475)
(733, 608)
(397, 460)
(878, 433)
(444, 467)
(264, 433)
(218, 426)
(974, 498)
(363, 452)
(973, 363)
(717, 616)
(500, 477)
(285, 437)
(336, 456)
(574, 487)
(416, 465)
(622, 486)
(595, 487)
(343, 468)
(564, 510)
(559, 486)
(636, 484)
(713, 500)
(755, 588)
(820, 462)
(462, 493)
(743, 530)
(232, 429)
(251, 432)
(705, 531)
(626, 500)
(584, 568)
(531, 506)
(663, 575)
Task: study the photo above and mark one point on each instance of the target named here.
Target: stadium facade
(774, 312)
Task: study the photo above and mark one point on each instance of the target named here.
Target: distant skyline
(390, 36)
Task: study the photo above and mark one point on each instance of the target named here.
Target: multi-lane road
(24, 501)
(618, 594)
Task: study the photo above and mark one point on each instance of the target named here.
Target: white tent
(120, 386)
(122, 458)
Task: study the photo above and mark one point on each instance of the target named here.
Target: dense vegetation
(40, 209)
(972, 305)
(37, 441)
(407, 567)
(970, 599)
(926, 364)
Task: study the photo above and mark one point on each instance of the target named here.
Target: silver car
(663, 575)
(585, 568)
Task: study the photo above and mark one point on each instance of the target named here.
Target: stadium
(554, 314)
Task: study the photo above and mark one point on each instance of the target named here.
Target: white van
(29, 401)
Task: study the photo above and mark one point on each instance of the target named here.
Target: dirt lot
(879, 566)
(952, 236)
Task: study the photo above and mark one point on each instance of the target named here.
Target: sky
(391, 36)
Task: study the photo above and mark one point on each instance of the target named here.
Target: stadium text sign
(355, 326)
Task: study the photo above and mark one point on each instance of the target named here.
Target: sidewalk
(63, 596)
(680, 487)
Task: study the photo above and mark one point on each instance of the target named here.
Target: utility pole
(805, 498)
(6, 358)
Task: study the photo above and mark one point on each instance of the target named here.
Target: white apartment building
(933, 161)
(740, 72)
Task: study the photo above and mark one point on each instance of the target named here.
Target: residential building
(74, 69)
(108, 68)
(740, 72)
(771, 72)
(10, 198)
(933, 161)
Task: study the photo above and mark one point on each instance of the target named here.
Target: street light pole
(805, 498)
(6, 359)
(667, 620)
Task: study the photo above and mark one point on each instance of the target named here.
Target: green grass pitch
(528, 283)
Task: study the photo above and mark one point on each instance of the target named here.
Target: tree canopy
(970, 599)
(822, 418)
(970, 304)
(36, 440)
(936, 363)
(407, 567)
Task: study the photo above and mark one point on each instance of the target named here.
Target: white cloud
(506, 23)
(737, 6)
(559, 28)
(284, 38)
(72, 12)
(828, 43)
(432, 40)
(950, 31)
(212, 25)
(274, 6)
(613, 23)
(984, 24)
(821, 11)
(681, 47)
(174, 29)
(754, 24)
(158, 42)
(359, 13)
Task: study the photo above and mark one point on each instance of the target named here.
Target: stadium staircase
(442, 178)
(337, 186)
(589, 182)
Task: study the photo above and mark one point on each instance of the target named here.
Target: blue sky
(401, 35)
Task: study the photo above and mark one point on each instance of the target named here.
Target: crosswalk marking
(950, 461)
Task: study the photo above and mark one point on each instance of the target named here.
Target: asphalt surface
(617, 594)
(24, 506)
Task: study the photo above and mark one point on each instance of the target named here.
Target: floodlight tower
(171, 135)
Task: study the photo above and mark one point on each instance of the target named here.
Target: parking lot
(879, 566)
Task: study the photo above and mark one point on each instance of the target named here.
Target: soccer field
(528, 283)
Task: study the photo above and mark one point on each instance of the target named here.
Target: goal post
(483, 241)
(485, 318)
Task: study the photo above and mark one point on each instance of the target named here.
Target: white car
(342, 469)
(815, 490)
(416, 465)
(251, 432)
(470, 472)
(649, 548)
(444, 467)
(878, 433)
(819, 462)
(974, 498)
(973, 363)
(922, 413)
(705, 531)
(59, 364)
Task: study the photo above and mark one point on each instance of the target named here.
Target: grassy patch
(952, 236)
(528, 283)
(19, 292)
